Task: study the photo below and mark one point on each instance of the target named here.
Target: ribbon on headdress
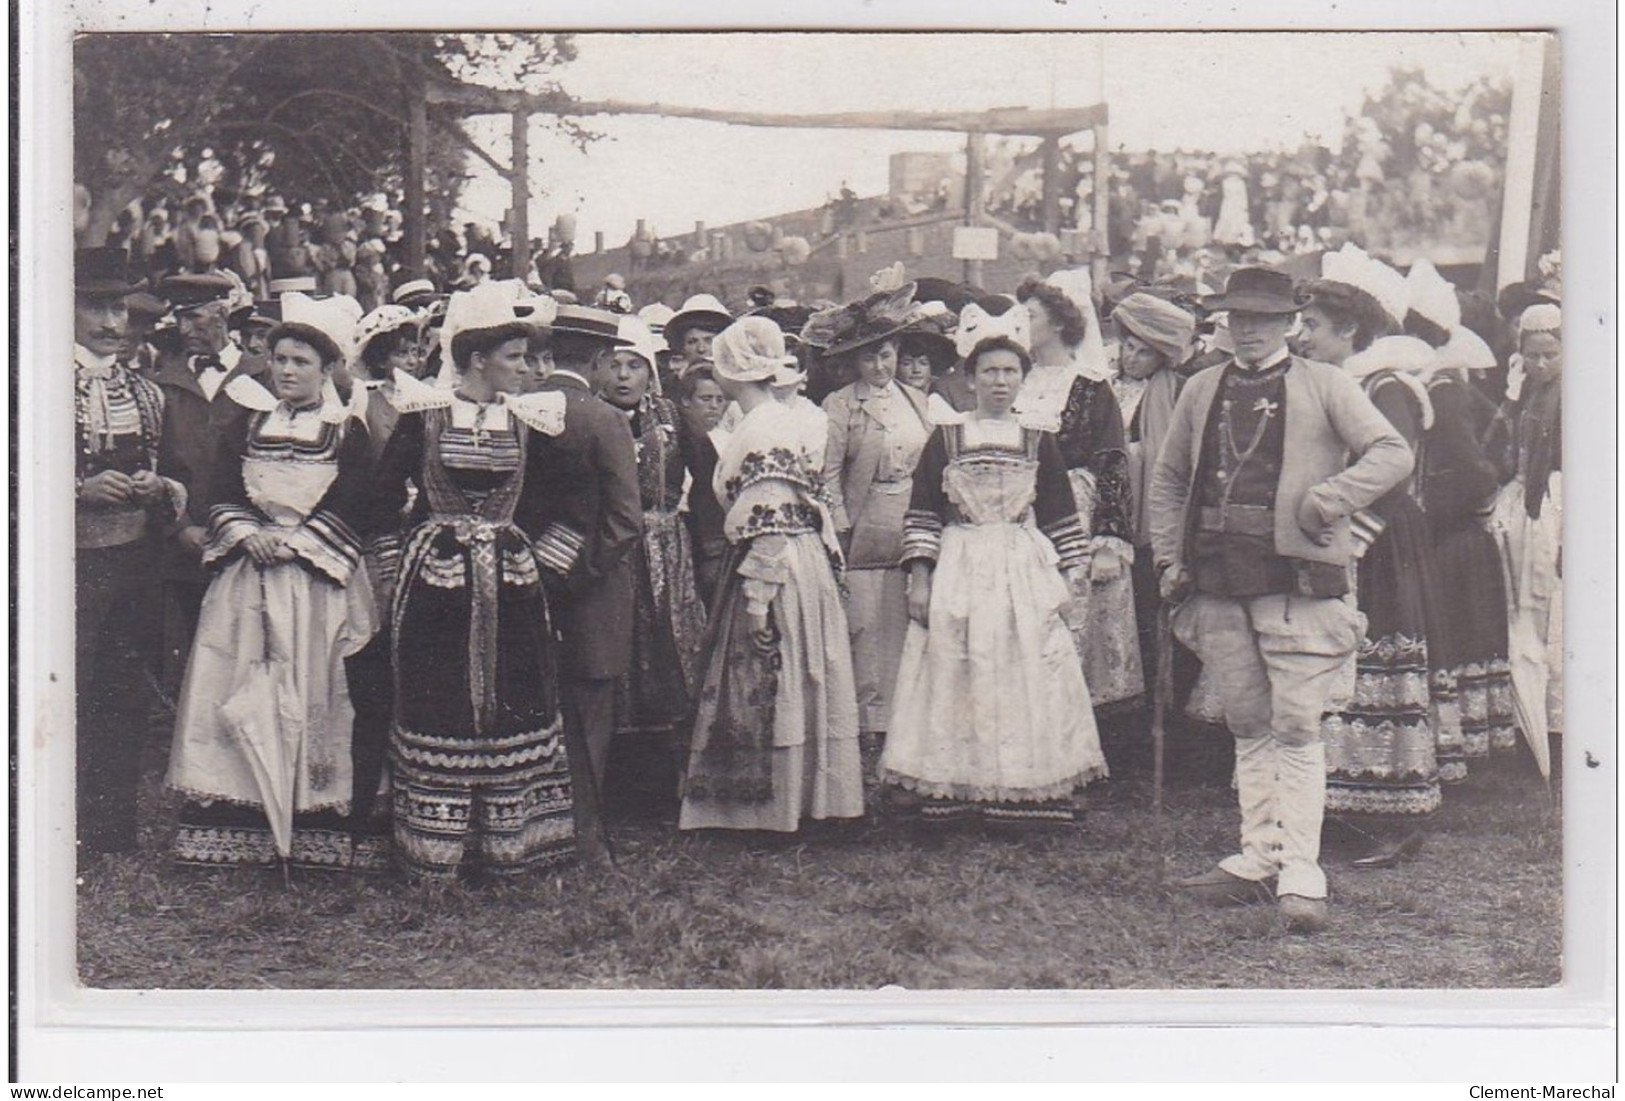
(977, 325)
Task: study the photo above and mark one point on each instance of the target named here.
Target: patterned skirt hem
(992, 794)
(1048, 812)
(420, 871)
(240, 846)
(1383, 801)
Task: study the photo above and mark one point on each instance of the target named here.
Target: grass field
(864, 907)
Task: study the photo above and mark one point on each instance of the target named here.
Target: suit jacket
(705, 512)
(1328, 419)
(199, 436)
(856, 443)
(582, 507)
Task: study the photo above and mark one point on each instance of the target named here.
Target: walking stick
(1162, 695)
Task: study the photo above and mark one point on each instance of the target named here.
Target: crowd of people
(447, 580)
(356, 250)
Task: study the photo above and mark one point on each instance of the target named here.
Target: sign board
(976, 243)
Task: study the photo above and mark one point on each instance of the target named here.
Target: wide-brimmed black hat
(1255, 290)
(103, 272)
(588, 321)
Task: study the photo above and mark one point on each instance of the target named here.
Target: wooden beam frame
(999, 120)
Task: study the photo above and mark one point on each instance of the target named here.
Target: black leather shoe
(1217, 887)
(1391, 853)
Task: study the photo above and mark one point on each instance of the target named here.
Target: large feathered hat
(860, 324)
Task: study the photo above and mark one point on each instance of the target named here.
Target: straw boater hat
(701, 310)
(304, 284)
(1541, 317)
(537, 312)
(588, 321)
(415, 294)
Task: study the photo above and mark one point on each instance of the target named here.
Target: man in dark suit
(592, 601)
(196, 418)
(126, 502)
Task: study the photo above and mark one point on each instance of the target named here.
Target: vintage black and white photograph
(837, 511)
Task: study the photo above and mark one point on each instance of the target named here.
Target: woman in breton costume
(1467, 620)
(479, 775)
(877, 429)
(993, 718)
(1069, 393)
(1381, 743)
(1527, 443)
(776, 734)
(286, 593)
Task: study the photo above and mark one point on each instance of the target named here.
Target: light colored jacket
(852, 465)
(1328, 419)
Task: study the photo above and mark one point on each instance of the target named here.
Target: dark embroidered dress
(1467, 625)
(1381, 755)
(669, 617)
(479, 772)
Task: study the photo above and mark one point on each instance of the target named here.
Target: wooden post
(1101, 238)
(598, 240)
(1050, 149)
(521, 194)
(975, 148)
(417, 140)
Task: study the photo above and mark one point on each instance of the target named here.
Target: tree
(314, 115)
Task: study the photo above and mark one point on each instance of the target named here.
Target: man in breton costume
(125, 501)
(1250, 503)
